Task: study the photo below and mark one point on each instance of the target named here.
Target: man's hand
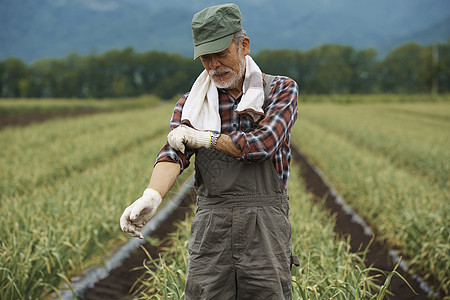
(185, 136)
(140, 212)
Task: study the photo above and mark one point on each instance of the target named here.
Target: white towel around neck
(201, 109)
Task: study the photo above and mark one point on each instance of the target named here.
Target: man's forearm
(164, 176)
(225, 144)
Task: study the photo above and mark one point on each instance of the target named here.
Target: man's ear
(245, 46)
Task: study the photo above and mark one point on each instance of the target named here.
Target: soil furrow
(378, 254)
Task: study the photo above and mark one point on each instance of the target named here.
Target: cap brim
(213, 47)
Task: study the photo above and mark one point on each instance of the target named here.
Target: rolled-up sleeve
(167, 153)
(281, 110)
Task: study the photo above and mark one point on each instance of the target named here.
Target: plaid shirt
(269, 138)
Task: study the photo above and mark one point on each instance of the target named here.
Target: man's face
(227, 68)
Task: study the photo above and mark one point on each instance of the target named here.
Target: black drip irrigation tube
(80, 284)
(394, 255)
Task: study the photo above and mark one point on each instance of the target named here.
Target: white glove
(140, 212)
(186, 136)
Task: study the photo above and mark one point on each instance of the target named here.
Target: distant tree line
(327, 69)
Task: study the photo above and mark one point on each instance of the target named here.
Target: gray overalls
(240, 245)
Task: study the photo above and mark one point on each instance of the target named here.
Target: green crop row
(391, 163)
(328, 270)
(412, 136)
(64, 185)
(40, 155)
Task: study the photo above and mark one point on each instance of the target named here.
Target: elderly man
(237, 122)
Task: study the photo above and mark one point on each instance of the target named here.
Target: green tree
(332, 72)
(284, 61)
(326, 69)
(442, 67)
(363, 78)
(166, 74)
(400, 71)
(13, 75)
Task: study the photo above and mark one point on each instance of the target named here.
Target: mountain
(32, 30)
(437, 32)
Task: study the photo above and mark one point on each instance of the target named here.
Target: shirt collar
(237, 100)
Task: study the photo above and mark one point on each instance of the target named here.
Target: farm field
(391, 163)
(64, 184)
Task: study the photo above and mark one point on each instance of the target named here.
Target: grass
(64, 185)
(46, 153)
(391, 163)
(412, 136)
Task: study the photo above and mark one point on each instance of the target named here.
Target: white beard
(235, 78)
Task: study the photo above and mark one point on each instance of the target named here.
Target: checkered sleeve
(167, 153)
(272, 132)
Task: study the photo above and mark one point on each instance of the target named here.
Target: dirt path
(31, 118)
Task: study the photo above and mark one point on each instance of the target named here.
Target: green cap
(213, 28)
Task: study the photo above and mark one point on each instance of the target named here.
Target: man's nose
(214, 63)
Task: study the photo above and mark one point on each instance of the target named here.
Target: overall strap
(268, 79)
